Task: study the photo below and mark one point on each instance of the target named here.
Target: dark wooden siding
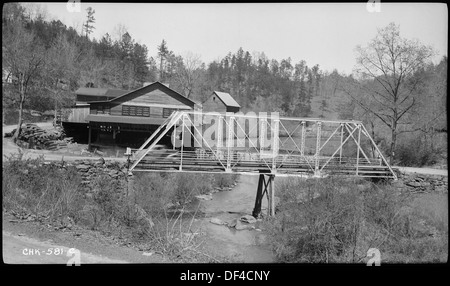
(88, 98)
(233, 109)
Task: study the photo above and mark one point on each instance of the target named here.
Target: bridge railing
(234, 142)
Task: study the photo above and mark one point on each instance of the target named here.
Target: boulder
(204, 197)
(83, 167)
(241, 226)
(413, 184)
(248, 219)
(217, 221)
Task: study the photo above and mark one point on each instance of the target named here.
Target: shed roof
(227, 99)
(125, 119)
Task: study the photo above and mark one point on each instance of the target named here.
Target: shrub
(415, 153)
(338, 220)
(224, 180)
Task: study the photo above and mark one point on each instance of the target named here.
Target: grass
(335, 220)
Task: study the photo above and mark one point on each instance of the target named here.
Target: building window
(103, 109)
(168, 111)
(142, 111)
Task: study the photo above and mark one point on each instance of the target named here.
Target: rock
(242, 226)
(413, 184)
(83, 167)
(147, 253)
(204, 197)
(215, 220)
(398, 184)
(248, 219)
(232, 223)
(441, 189)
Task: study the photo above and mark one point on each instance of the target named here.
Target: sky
(319, 33)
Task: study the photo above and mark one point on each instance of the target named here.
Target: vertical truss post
(342, 139)
(358, 147)
(219, 137)
(174, 136)
(230, 141)
(183, 125)
(316, 156)
(302, 146)
(262, 134)
(275, 145)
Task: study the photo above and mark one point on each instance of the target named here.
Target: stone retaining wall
(92, 169)
(422, 182)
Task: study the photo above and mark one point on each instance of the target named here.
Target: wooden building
(129, 119)
(220, 102)
(79, 112)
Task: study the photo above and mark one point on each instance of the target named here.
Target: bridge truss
(263, 144)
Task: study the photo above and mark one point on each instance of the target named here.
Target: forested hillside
(401, 98)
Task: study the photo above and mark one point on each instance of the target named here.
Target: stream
(241, 246)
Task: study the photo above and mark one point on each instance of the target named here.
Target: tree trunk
(22, 99)
(393, 143)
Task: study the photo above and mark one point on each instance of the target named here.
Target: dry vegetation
(338, 221)
(152, 214)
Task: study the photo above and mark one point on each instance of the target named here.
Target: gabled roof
(92, 91)
(227, 99)
(156, 84)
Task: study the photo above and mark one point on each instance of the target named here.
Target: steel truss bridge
(263, 144)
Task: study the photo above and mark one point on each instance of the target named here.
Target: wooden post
(259, 196)
(272, 195)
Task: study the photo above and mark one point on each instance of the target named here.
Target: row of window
(142, 111)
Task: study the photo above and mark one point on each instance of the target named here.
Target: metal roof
(125, 119)
(93, 91)
(227, 99)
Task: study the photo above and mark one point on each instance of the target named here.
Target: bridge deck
(194, 161)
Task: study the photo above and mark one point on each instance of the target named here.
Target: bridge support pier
(266, 186)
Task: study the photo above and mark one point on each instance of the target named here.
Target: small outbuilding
(220, 102)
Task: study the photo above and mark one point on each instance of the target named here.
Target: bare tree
(388, 69)
(24, 58)
(59, 70)
(188, 73)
